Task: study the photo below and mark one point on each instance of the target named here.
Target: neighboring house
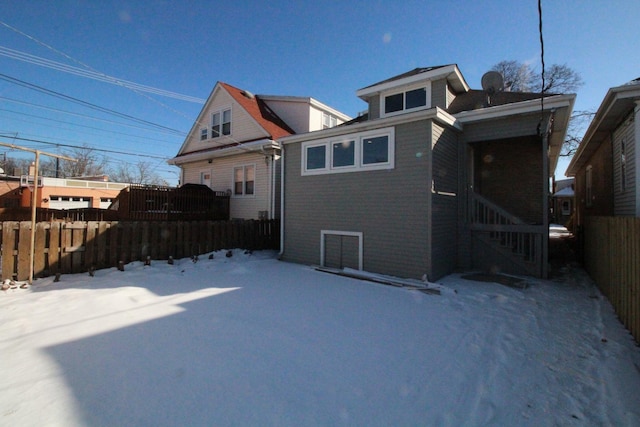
(562, 201)
(233, 146)
(607, 162)
(61, 193)
(436, 177)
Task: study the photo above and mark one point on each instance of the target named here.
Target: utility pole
(34, 197)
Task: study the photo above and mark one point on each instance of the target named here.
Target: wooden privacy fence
(612, 258)
(74, 247)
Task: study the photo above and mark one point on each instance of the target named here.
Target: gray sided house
(436, 177)
(606, 163)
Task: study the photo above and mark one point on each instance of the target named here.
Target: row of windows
(349, 153)
(220, 125)
(243, 180)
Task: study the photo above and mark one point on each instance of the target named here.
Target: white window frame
(204, 134)
(220, 114)
(244, 180)
(358, 234)
(329, 120)
(404, 90)
(358, 165)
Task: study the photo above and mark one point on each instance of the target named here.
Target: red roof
(260, 112)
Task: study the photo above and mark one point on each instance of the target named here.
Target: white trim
(403, 90)
(305, 100)
(358, 234)
(221, 112)
(246, 147)
(435, 113)
(358, 165)
(427, 75)
(244, 181)
(523, 107)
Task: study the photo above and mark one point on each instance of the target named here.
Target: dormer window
(328, 121)
(405, 101)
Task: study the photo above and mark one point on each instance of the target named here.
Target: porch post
(545, 203)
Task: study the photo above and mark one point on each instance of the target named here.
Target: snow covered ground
(250, 340)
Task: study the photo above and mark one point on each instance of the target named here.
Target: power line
(35, 60)
(57, 110)
(76, 125)
(84, 103)
(39, 141)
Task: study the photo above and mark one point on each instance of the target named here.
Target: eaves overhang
(453, 74)
(561, 106)
(617, 103)
(261, 145)
(436, 114)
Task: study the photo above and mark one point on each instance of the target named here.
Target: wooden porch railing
(509, 235)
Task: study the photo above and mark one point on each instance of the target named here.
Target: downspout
(281, 201)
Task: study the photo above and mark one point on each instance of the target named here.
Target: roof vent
(248, 94)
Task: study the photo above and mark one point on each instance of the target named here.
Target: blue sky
(323, 49)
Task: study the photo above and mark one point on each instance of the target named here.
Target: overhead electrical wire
(57, 110)
(79, 125)
(32, 59)
(84, 103)
(57, 144)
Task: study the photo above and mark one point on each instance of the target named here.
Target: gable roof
(616, 105)
(259, 111)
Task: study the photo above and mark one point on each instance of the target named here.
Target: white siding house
(232, 145)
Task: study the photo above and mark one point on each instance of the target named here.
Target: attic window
(408, 100)
(328, 121)
(221, 123)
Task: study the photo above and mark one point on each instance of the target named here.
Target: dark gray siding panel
(388, 206)
(624, 199)
(444, 201)
(502, 128)
(374, 107)
(439, 93)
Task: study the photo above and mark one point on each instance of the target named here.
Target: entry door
(341, 249)
(205, 178)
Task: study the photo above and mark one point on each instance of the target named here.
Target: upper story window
(221, 123)
(328, 121)
(203, 134)
(372, 150)
(409, 100)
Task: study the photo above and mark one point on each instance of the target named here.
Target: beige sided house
(436, 177)
(232, 146)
